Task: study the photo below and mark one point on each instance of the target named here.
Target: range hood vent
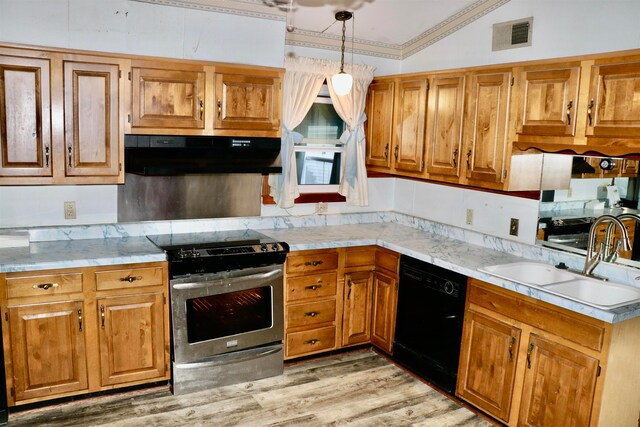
(181, 155)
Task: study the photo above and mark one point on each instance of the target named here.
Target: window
(318, 156)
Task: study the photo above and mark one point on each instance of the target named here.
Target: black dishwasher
(429, 321)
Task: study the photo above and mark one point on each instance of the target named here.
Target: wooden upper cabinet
(380, 124)
(488, 360)
(559, 385)
(487, 126)
(167, 98)
(247, 103)
(614, 101)
(25, 117)
(409, 125)
(549, 101)
(92, 131)
(444, 125)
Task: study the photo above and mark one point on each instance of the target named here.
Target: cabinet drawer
(311, 313)
(128, 278)
(312, 286)
(310, 262)
(44, 285)
(360, 257)
(313, 341)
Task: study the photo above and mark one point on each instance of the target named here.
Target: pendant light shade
(342, 82)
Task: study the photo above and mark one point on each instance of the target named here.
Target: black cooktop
(211, 239)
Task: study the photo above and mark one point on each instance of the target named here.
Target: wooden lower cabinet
(384, 306)
(356, 320)
(529, 363)
(74, 331)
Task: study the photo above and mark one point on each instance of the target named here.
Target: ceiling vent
(512, 34)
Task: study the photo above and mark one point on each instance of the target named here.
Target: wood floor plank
(354, 389)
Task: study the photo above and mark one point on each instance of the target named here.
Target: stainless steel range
(226, 307)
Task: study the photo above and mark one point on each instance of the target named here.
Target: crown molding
(317, 40)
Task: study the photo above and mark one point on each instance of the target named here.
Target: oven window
(232, 313)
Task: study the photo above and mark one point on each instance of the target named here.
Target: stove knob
(274, 247)
(263, 247)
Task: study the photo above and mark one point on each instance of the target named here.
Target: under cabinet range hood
(153, 155)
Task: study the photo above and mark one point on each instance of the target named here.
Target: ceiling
(392, 29)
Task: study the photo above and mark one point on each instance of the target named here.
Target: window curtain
(303, 79)
(350, 108)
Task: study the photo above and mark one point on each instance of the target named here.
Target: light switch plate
(513, 226)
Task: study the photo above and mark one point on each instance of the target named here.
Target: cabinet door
(614, 101)
(488, 359)
(559, 385)
(486, 126)
(48, 349)
(25, 117)
(245, 102)
(131, 338)
(444, 135)
(169, 99)
(356, 324)
(385, 301)
(91, 119)
(550, 101)
(380, 124)
(409, 124)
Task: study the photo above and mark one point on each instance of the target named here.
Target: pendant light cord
(344, 29)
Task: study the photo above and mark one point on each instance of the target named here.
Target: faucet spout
(594, 256)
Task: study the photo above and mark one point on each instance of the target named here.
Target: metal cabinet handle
(201, 107)
(102, 315)
(80, 318)
(313, 341)
(313, 287)
(395, 152)
(349, 284)
(569, 107)
(511, 344)
(311, 314)
(529, 351)
(313, 263)
(130, 279)
(386, 151)
(46, 155)
(219, 109)
(469, 153)
(455, 158)
(69, 154)
(45, 286)
(589, 111)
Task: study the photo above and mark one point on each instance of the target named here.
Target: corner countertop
(437, 249)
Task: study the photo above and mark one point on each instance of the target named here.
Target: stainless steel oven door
(218, 313)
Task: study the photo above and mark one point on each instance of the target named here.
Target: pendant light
(342, 82)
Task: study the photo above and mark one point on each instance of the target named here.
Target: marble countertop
(437, 249)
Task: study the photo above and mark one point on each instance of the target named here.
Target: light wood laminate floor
(359, 388)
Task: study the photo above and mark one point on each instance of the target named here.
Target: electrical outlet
(69, 210)
(321, 208)
(513, 226)
(469, 216)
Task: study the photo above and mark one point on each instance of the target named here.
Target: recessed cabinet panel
(550, 102)
(409, 125)
(92, 133)
(165, 98)
(486, 126)
(614, 101)
(380, 124)
(446, 107)
(385, 302)
(25, 117)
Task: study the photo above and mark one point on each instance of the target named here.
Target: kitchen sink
(590, 291)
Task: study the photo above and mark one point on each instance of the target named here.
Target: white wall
(560, 28)
(491, 212)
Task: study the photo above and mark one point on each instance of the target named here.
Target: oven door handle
(220, 280)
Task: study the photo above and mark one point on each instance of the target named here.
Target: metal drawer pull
(46, 155)
(349, 293)
(395, 152)
(455, 158)
(569, 107)
(130, 279)
(313, 287)
(102, 315)
(201, 107)
(469, 153)
(219, 109)
(589, 111)
(311, 314)
(45, 286)
(313, 341)
(386, 151)
(69, 154)
(529, 351)
(511, 344)
(313, 263)
(80, 318)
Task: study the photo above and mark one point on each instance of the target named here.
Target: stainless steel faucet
(611, 251)
(594, 257)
